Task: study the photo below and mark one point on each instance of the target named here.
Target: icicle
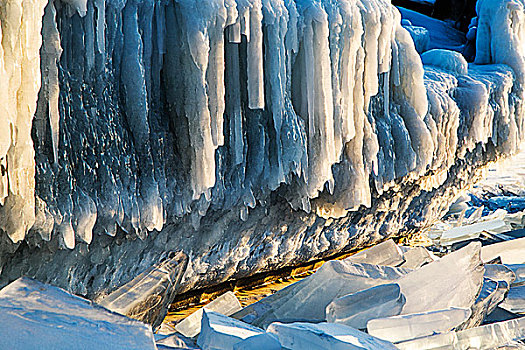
(318, 99)
(255, 57)
(215, 78)
(101, 26)
(89, 38)
(79, 5)
(51, 52)
(233, 107)
(21, 24)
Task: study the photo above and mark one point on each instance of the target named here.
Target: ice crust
(214, 119)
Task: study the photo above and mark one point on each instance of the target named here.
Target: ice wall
(153, 110)
(159, 116)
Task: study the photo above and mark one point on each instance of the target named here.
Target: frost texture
(156, 112)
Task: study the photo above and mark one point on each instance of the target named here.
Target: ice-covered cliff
(249, 133)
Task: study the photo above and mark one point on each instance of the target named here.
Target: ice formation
(150, 115)
(209, 111)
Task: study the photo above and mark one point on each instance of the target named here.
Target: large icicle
(21, 23)
(316, 100)
(255, 55)
(50, 55)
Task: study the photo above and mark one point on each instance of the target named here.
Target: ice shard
(177, 341)
(333, 280)
(50, 318)
(441, 341)
(226, 304)
(147, 296)
(298, 336)
(355, 310)
(452, 281)
(492, 335)
(514, 300)
(498, 272)
(490, 295)
(417, 257)
(222, 332)
(466, 232)
(519, 272)
(386, 253)
(510, 252)
(411, 326)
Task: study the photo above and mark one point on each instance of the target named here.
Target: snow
(41, 316)
(450, 61)
(442, 34)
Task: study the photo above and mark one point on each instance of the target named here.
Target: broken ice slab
(490, 295)
(265, 341)
(519, 272)
(39, 316)
(515, 300)
(452, 281)
(499, 272)
(177, 340)
(147, 296)
(489, 239)
(405, 327)
(492, 335)
(226, 304)
(334, 279)
(386, 253)
(462, 233)
(441, 341)
(317, 336)
(220, 332)
(355, 310)
(510, 252)
(417, 257)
